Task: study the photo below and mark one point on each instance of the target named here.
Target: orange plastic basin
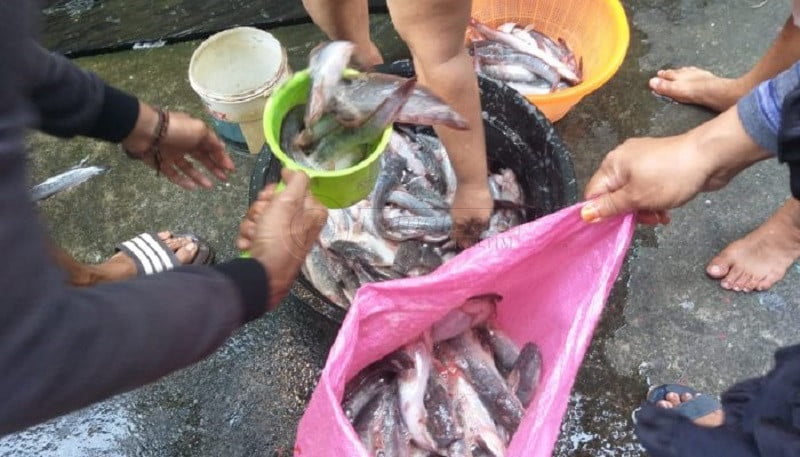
(596, 30)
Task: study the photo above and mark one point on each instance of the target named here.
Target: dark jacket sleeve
(71, 101)
(63, 348)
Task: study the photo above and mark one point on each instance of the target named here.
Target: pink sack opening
(554, 274)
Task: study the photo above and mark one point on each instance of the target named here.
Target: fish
(524, 376)
(65, 181)
(426, 149)
(406, 200)
(419, 188)
(500, 55)
(346, 146)
(415, 258)
(537, 88)
(291, 126)
(479, 368)
(363, 93)
(391, 174)
(400, 145)
(379, 425)
(307, 136)
(326, 64)
(473, 312)
(431, 229)
(364, 263)
(472, 416)
(316, 269)
(371, 381)
(510, 72)
(369, 421)
(408, 256)
(504, 350)
(527, 47)
(442, 423)
(510, 191)
(412, 384)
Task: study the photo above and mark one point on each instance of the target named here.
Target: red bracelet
(155, 147)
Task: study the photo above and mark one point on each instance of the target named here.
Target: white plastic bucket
(234, 72)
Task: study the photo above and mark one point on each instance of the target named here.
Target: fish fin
(388, 110)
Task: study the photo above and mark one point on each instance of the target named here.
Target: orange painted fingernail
(590, 213)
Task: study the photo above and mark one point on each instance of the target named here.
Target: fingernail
(191, 247)
(590, 213)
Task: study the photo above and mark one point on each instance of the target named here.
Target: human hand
(184, 136)
(650, 176)
(472, 207)
(287, 224)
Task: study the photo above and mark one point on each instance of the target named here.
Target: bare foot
(712, 419)
(698, 87)
(120, 266)
(760, 259)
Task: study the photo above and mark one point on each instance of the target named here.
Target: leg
(761, 258)
(119, 267)
(434, 32)
(346, 20)
(696, 86)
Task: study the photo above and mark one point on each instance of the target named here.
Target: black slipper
(151, 255)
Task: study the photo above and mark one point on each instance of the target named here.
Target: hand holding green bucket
(334, 189)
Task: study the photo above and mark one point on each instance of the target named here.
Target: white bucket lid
(237, 64)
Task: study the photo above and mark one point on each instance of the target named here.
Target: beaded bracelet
(155, 147)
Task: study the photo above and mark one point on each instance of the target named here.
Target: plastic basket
(596, 30)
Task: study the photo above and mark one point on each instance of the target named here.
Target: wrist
(722, 148)
(141, 138)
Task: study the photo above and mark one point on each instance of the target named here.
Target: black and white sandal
(152, 255)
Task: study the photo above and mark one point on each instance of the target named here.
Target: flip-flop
(699, 406)
(151, 255)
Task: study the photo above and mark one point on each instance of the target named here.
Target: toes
(686, 397)
(664, 404)
(719, 267)
(742, 282)
(669, 74)
(673, 398)
(752, 284)
(730, 281)
(656, 84)
(187, 252)
(164, 235)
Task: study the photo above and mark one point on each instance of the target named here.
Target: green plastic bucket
(334, 189)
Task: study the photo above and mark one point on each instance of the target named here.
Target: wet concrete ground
(665, 321)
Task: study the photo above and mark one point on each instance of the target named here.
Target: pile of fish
(460, 390)
(403, 228)
(346, 115)
(525, 59)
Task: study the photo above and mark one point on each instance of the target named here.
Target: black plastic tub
(518, 137)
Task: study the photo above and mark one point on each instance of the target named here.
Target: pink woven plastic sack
(554, 274)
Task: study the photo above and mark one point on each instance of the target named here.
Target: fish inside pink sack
(554, 275)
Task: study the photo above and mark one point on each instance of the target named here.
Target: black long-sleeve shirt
(62, 348)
